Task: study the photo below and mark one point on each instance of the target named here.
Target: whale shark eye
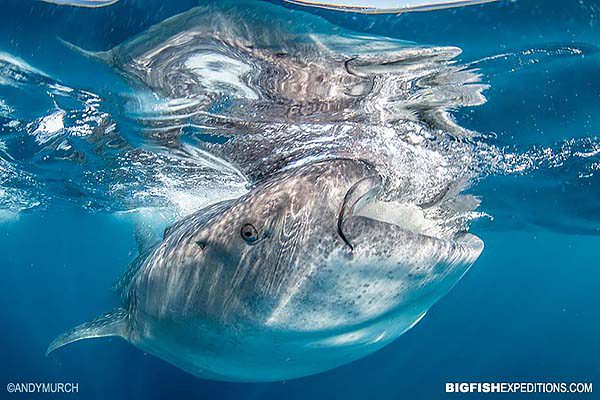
(249, 233)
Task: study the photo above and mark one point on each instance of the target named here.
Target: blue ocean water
(527, 311)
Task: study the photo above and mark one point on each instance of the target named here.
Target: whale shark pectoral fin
(114, 323)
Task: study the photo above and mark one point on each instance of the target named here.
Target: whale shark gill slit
(357, 196)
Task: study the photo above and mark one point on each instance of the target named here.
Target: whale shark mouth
(406, 216)
(363, 199)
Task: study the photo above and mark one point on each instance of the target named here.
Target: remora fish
(296, 277)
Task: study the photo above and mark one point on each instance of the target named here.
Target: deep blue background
(528, 310)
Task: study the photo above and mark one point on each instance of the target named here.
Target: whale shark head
(302, 252)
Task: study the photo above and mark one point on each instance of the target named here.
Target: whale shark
(307, 271)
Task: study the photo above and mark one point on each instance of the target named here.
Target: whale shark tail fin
(114, 323)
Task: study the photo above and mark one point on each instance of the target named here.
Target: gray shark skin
(291, 279)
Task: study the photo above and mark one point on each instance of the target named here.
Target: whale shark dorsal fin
(114, 323)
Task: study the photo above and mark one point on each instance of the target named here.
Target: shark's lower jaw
(289, 356)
